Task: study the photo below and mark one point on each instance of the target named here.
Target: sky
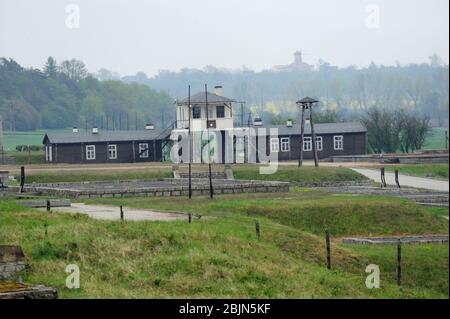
(128, 36)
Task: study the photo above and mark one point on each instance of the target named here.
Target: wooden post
(29, 154)
(313, 136)
(383, 179)
(121, 212)
(396, 178)
(211, 191)
(258, 230)
(190, 143)
(399, 262)
(22, 179)
(48, 205)
(190, 218)
(302, 130)
(328, 248)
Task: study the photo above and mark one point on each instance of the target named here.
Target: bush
(32, 148)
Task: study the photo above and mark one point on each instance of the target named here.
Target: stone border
(174, 189)
(419, 239)
(33, 292)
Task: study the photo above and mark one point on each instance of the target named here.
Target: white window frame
(90, 152)
(319, 143)
(307, 141)
(143, 146)
(338, 142)
(112, 151)
(274, 145)
(285, 144)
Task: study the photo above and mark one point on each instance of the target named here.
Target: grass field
(437, 171)
(220, 256)
(12, 139)
(436, 139)
(284, 173)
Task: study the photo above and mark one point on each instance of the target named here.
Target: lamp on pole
(307, 104)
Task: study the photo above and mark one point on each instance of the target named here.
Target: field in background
(436, 139)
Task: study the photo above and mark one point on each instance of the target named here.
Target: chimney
(75, 129)
(218, 90)
(257, 121)
(289, 123)
(149, 126)
(95, 130)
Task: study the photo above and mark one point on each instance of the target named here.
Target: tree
(74, 69)
(51, 68)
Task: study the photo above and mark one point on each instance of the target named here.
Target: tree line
(65, 95)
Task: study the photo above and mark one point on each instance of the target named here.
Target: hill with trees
(65, 95)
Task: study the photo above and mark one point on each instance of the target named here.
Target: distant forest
(65, 94)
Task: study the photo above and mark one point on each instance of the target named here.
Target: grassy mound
(302, 175)
(349, 215)
(438, 171)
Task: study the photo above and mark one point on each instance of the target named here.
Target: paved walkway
(405, 180)
(113, 212)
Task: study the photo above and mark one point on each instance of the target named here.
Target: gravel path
(405, 180)
(113, 212)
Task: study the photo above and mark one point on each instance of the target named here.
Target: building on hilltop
(297, 65)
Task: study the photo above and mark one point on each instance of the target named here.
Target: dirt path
(113, 212)
(405, 180)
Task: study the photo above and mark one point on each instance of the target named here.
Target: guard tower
(206, 113)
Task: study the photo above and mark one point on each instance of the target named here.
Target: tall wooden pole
(302, 131)
(190, 142)
(211, 192)
(313, 136)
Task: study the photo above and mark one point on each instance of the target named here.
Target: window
(196, 112)
(319, 143)
(210, 112)
(338, 142)
(90, 152)
(274, 145)
(143, 150)
(220, 111)
(307, 144)
(285, 147)
(112, 151)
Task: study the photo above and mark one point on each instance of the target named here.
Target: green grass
(216, 257)
(309, 211)
(12, 139)
(96, 175)
(436, 139)
(302, 175)
(423, 266)
(23, 158)
(437, 171)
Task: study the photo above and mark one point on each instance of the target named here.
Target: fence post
(22, 178)
(383, 180)
(190, 218)
(328, 249)
(258, 230)
(396, 178)
(48, 205)
(399, 262)
(121, 212)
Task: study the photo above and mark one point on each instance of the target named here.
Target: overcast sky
(127, 36)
